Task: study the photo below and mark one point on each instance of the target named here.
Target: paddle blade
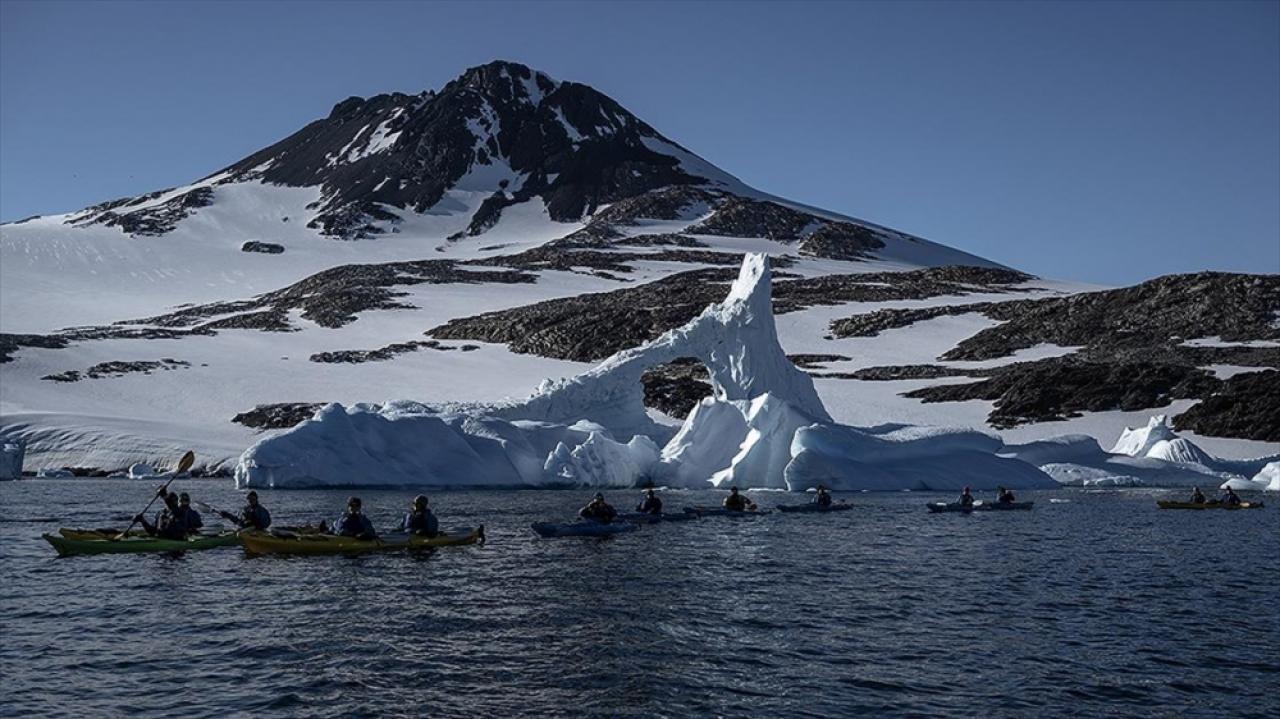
(187, 460)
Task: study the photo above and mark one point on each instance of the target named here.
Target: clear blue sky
(1105, 142)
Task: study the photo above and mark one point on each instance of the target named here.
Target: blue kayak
(642, 518)
(811, 507)
(582, 529)
(722, 512)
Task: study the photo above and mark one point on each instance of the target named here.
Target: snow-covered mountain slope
(464, 245)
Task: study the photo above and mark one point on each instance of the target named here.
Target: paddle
(184, 464)
(210, 508)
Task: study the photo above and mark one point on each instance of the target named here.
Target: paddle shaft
(210, 508)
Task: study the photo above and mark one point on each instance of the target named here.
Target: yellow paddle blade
(187, 460)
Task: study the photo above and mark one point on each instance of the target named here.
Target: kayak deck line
(1172, 504)
(292, 543)
(549, 530)
(812, 508)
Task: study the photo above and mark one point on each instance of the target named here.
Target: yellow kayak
(318, 544)
(1169, 504)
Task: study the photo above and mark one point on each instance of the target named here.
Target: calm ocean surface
(1094, 604)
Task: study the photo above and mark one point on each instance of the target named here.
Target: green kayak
(138, 545)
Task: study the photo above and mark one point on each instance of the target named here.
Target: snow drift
(763, 427)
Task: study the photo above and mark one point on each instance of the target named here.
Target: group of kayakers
(178, 520)
(1229, 497)
(599, 510)
(1003, 496)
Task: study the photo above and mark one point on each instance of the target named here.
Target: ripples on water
(1100, 606)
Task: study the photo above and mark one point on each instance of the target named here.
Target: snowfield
(477, 413)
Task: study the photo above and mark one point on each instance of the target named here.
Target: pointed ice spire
(736, 339)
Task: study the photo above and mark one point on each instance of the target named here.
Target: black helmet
(599, 495)
(420, 500)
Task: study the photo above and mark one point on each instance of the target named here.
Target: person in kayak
(420, 520)
(253, 515)
(598, 510)
(170, 522)
(1197, 497)
(1005, 496)
(651, 503)
(966, 498)
(194, 521)
(823, 497)
(735, 502)
(1231, 499)
(354, 523)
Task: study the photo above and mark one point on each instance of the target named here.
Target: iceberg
(1266, 480)
(12, 453)
(1153, 455)
(763, 427)
(141, 470)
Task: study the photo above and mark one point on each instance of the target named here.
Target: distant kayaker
(735, 502)
(966, 498)
(1005, 496)
(354, 523)
(420, 520)
(252, 516)
(1197, 497)
(193, 519)
(1231, 499)
(651, 503)
(598, 510)
(823, 497)
(170, 522)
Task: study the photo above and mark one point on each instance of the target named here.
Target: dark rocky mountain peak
(501, 129)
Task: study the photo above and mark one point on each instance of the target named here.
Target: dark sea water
(1093, 604)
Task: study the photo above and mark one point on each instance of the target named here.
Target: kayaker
(193, 519)
(823, 497)
(598, 510)
(966, 498)
(1005, 496)
(353, 523)
(651, 503)
(170, 522)
(254, 515)
(420, 520)
(1231, 499)
(735, 502)
(1197, 497)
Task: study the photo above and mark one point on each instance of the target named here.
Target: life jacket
(353, 525)
(421, 523)
(257, 517)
